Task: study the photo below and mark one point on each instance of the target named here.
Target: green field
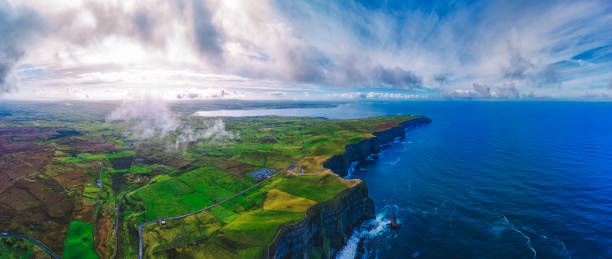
(17, 248)
(79, 243)
(121, 154)
(74, 150)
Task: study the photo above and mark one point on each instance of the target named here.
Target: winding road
(195, 212)
(216, 204)
(39, 244)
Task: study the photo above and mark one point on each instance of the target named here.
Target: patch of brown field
(158, 154)
(293, 147)
(71, 178)
(30, 207)
(347, 182)
(177, 162)
(347, 126)
(56, 204)
(235, 167)
(103, 239)
(15, 167)
(7, 147)
(18, 199)
(312, 164)
(26, 133)
(55, 169)
(385, 126)
(88, 145)
(84, 212)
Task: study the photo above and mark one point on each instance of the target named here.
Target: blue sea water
(494, 180)
(488, 180)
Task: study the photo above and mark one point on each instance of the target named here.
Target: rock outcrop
(327, 225)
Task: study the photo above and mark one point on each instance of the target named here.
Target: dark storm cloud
(308, 65)
(548, 77)
(482, 89)
(311, 65)
(395, 77)
(208, 39)
(518, 69)
(441, 79)
(18, 26)
(508, 91)
(144, 24)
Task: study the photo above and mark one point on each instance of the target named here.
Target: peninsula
(249, 187)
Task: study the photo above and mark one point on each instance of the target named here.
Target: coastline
(359, 152)
(327, 225)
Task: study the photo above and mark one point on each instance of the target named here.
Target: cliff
(340, 164)
(327, 225)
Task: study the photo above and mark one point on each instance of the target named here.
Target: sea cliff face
(340, 164)
(327, 225)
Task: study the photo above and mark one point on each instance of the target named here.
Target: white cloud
(149, 117)
(105, 49)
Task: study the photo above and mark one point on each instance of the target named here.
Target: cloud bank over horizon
(207, 49)
(149, 117)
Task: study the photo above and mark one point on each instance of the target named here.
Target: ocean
(505, 179)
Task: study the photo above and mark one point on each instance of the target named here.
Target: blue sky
(208, 49)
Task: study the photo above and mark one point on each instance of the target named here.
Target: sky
(305, 50)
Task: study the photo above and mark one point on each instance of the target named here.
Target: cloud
(441, 79)
(144, 24)
(19, 25)
(482, 90)
(395, 77)
(390, 96)
(518, 69)
(374, 96)
(548, 77)
(507, 91)
(207, 37)
(212, 131)
(148, 117)
(277, 94)
(592, 95)
(321, 45)
(458, 94)
(308, 65)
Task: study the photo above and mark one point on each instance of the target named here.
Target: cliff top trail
(208, 188)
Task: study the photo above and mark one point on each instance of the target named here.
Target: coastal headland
(256, 187)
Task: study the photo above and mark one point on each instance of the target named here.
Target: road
(39, 244)
(195, 212)
(218, 203)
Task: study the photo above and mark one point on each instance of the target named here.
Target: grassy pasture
(314, 187)
(196, 201)
(246, 224)
(257, 228)
(79, 243)
(282, 201)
